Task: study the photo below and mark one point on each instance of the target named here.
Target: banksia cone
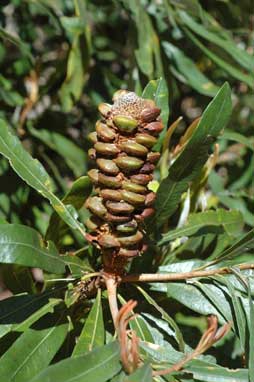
(125, 162)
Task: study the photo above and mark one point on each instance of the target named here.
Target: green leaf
(99, 365)
(202, 223)
(166, 317)
(77, 65)
(242, 245)
(191, 6)
(148, 54)
(18, 313)
(78, 266)
(93, 333)
(209, 372)
(144, 53)
(142, 374)
(251, 335)
(193, 76)
(34, 174)
(31, 353)
(24, 48)
(162, 353)
(217, 298)
(74, 156)
(192, 296)
(238, 313)
(23, 245)
(239, 55)
(232, 70)
(157, 90)
(237, 137)
(192, 158)
(76, 196)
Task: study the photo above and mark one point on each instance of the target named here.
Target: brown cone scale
(126, 133)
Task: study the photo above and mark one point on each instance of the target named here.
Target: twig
(111, 285)
(165, 277)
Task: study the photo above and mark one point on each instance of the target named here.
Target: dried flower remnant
(125, 162)
(209, 338)
(128, 340)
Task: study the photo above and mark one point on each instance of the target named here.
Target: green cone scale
(124, 161)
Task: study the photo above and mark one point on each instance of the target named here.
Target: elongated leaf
(142, 374)
(210, 372)
(24, 48)
(23, 245)
(215, 295)
(34, 174)
(192, 296)
(201, 369)
(99, 365)
(194, 77)
(18, 313)
(74, 156)
(166, 317)
(147, 54)
(251, 336)
(77, 265)
(92, 335)
(239, 313)
(232, 70)
(239, 55)
(244, 244)
(205, 222)
(75, 197)
(162, 353)
(237, 137)
(31, 353)
(78, 61)
(158, 91)
(191, 160)
(144, 53)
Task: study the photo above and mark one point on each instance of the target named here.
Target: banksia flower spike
(122, 150)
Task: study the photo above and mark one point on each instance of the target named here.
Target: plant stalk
(111, 286)
(165, 277)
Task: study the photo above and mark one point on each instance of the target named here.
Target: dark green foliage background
(75, 54)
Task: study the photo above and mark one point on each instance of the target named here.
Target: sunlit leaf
(23, 245)
(92, 335)
(204, 222)
(31, 353)
(99, 365)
